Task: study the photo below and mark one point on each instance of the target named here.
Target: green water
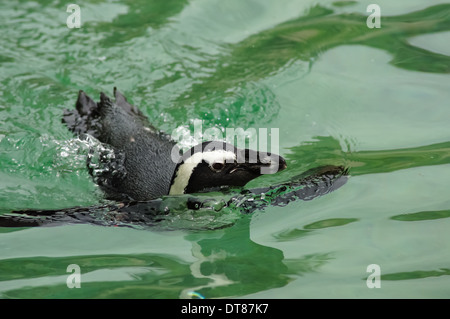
(376, 100)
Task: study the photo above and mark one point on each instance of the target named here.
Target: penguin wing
(122, 102)
(135, 158)
(84, 118)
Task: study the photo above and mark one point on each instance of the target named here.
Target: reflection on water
(428, 215)
(140, 16)
(418, 274)
(102, 276)
(326, 150)
(228, 264)
(308, 36)
(235, 265)
(332, 222)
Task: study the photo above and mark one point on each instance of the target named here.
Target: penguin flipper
(84, 118)
(85, 105)
(122, 102)
(88, 115)
(132, 145)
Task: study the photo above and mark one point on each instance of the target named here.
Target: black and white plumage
(142, 167)
(214, 164)
(135, 167)
(315, 182)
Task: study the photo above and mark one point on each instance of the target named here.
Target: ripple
(332, 222)
(419, 216)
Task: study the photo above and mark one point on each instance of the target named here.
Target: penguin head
(211, 165)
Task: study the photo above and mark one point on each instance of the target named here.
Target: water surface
(375, 100)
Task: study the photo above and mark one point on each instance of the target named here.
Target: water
(375, 100)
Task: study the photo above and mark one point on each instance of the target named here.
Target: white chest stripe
(185, 170)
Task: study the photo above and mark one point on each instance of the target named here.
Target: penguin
(315, 182)
(141, 165)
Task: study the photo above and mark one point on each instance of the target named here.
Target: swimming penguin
(141, 166)
(315, 182)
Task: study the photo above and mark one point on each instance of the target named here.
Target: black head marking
(215, 164)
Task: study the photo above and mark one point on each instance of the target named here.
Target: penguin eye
(217, 166)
